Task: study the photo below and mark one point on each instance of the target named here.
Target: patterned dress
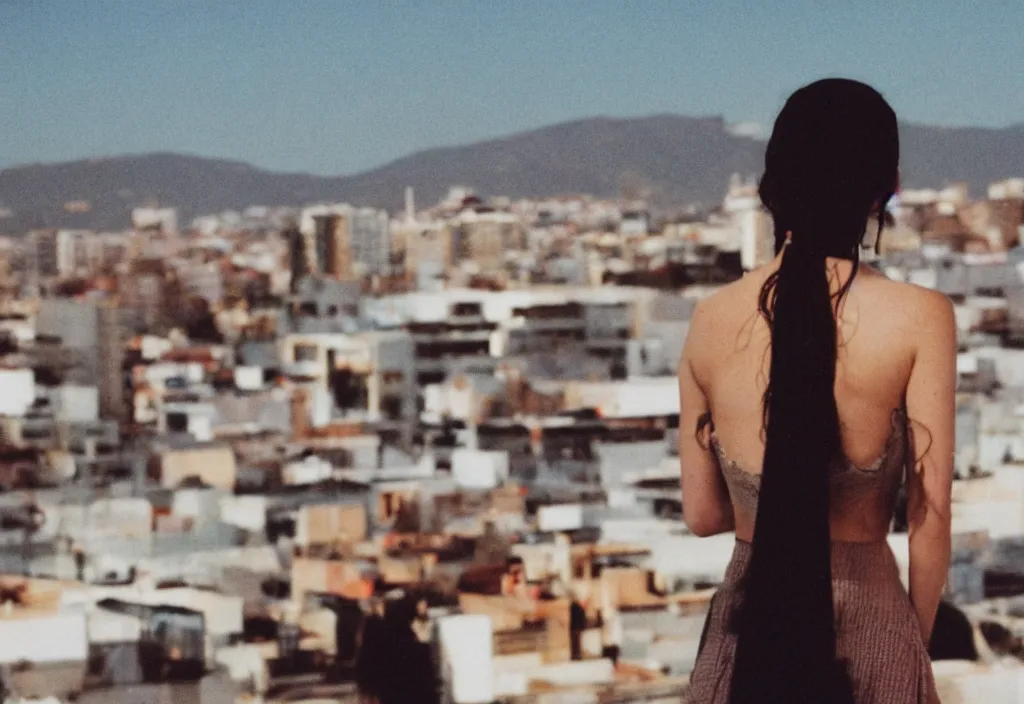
(877, 632)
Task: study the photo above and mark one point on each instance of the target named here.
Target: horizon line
(760, 137)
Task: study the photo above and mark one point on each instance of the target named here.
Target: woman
(810, 390)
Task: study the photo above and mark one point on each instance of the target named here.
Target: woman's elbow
(704, 524)
(702, 529)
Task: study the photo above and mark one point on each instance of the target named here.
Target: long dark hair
(832, 158)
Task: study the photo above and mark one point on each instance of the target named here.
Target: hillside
(669, 158)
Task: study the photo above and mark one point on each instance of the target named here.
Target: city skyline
(273, 437)
(338, 89)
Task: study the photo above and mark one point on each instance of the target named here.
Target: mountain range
(670, 159)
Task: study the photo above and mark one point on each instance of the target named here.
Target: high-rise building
(146, 290)
(757, 237)
(333, 246)
(486, 238)
(346, 241)
(370, 240)
(298, 258)
(94, 331)
(111, 379)
(44, 253)
(425, 250)
(73, 251)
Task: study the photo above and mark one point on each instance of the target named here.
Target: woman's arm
(931, 407)
(706, 506)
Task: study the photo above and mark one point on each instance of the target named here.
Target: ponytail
(786, 633)
(831, 158)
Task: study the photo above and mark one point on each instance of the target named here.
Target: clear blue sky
(337, 87)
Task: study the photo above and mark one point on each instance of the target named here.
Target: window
(467, 309)
(304, 352)
(177, 422)
(176, 382)
(391, 407)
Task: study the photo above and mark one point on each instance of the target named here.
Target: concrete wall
(326, 524)
(215, 465)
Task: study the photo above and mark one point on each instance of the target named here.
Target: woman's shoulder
(901, 306)
(718, 315)
(735, 297)
(729, 298)
(914, 300)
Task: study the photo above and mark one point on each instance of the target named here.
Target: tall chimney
(410, 205)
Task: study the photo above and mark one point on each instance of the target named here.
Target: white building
(75, 251)
(164, 220)
(1006, 189)
(378, 365)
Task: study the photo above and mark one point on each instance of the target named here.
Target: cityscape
(229, 445)
(339, 345)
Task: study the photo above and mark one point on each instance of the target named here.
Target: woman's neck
(839, 270)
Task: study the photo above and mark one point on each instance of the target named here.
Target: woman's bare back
(877, 339)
